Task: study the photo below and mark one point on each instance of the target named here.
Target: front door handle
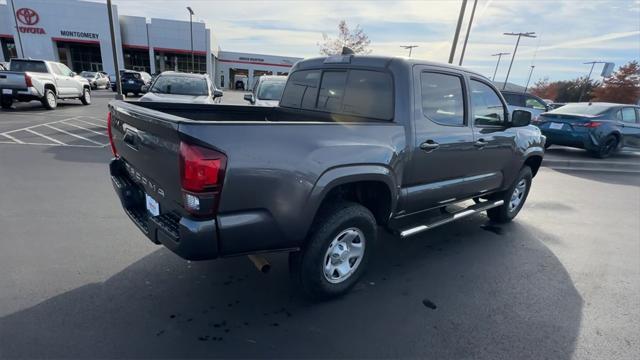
(480, 143)
(429, 145)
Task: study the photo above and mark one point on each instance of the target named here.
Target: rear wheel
(6, 102)
(513, 198)
(86, 96)
(337, 251)
(547, 145)
(50, 100)
(608, 147)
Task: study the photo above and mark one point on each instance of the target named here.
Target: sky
(569, 32)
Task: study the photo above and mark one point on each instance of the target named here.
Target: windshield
(87, 74)
(26, 65)
(581, 109)
(180, 85)
(271, 90)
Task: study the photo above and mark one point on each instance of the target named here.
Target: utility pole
(115, 54)
(519, 35)
(455, 37)
(191, 30)
(410, 47)
(15, 18)
(529, 79)
(499, 55)
(466, 38)
(586, 83)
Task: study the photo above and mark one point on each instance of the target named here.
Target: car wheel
(50, 100)
(547, 145)
(6, 102)
(608, 147)
(337, 251)
(94, 86)
(107, 86)
(86, 96)
(513, 198)
(136, 94)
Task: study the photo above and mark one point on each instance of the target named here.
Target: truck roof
(374, 61)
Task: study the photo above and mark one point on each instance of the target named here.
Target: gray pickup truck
(357, 142)
(44, 81)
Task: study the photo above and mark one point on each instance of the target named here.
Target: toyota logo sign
(27, 16)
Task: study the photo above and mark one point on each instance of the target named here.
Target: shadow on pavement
(81, 155)
(460, 291)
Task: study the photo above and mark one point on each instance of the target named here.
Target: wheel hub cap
(344, 255)
(518, 194)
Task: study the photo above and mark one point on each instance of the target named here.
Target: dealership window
(180, 62)
(136, 60)
(84, 57)
(8, 49)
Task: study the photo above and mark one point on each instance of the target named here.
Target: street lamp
(191, 13)
(455, 37)
(529, 79)
(410, 47)
(114, 52)
(499, 55)
(586, 83)
(519, 35)
(466, 38)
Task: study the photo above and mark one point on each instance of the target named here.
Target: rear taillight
(590, 124)
(27, 80)
(110, 133)
(202, 173)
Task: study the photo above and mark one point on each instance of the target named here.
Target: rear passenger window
(629, 115)
(352, 92)
(442, 99)
(487, 106)
(301, 90)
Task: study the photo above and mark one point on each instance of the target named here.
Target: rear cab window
(355, 92)
(27, 65)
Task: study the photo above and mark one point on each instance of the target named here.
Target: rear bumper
(27, 94)
(584, 140)
(190, 239)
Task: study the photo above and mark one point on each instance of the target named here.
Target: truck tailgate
(12, 80)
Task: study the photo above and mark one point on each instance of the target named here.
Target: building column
(250, 79)
(152, 60)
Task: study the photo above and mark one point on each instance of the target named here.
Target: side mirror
(144, 88)
(72, 74)
(249, 98)
(520, 118)
(217, 93)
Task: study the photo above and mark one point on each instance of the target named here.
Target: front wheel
(338, 248)
(513, 198)
(50, 100)
(86, 96)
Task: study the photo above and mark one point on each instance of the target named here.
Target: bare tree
(355, 40)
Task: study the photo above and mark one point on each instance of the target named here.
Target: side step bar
(447, 218)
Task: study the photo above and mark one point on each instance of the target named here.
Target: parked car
(45, 81)
(176, 87)
(600, 128)
(555, 105)
(132, 81)
(356, 142)
(96, 79)
(267, 91)
(525, 101)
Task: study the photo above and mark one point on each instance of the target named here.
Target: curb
(593, 165)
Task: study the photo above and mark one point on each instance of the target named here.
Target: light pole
(191, 31)
(455, 37)
(410, 47)
(519, 35)
(466, 38)
(529, 79)
(15, 18)
(499, 55)
(586, 83)
(115, 54)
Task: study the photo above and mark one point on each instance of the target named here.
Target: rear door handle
(429, 145)
(480, 143)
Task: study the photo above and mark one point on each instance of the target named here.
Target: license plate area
(152, 205)
(7, 91)
(556, 126)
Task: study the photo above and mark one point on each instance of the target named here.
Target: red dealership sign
(28, 17)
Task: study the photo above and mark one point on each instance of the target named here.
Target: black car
(132, 81)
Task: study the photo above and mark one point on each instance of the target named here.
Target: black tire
(547, 145)
(6, 102)
(94, 86)
(608, 147)
(86, 96)
(49, 105)
(504, 213)
(136, 94)
(307, 266)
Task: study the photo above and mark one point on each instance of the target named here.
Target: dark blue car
(600, 128)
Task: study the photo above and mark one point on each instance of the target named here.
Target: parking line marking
(12, 138)
(46, 137)
(74, 135)
(90, 123)
(50, 144)
(94, 118)
(80, 127)
(35, 126)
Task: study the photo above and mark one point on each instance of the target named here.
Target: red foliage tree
(623, 87)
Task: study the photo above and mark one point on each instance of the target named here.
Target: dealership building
(77, 34)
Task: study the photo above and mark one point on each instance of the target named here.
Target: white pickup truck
(45, 81)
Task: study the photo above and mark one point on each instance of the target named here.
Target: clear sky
(570, 32)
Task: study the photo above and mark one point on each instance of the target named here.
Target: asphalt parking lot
(79, 280)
